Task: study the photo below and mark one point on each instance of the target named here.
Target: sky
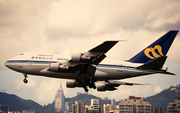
(65, 27)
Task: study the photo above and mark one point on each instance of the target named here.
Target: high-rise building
(174, 106)
(108, 108)
(78, 107)
(134, 105)
(95, 104)
(113, 102)
(60, 101)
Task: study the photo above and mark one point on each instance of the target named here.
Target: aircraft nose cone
(6, 64)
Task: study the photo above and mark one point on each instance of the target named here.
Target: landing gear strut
(25, 76)
(78, 79)
(91, 84)
(84, 82)
(85, 89)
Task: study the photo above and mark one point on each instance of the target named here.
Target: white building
(66, 106)
(95, 104)
(134, 105)
(113, 102)
(60, 101)
(174, 107)
(108, 108)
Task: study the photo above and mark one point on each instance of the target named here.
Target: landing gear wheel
(91, 84)
(78, 79)
(94, 87)
(85, 89)
(25, 81)
(25, 76)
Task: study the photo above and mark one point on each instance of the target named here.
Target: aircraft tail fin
(157, 49)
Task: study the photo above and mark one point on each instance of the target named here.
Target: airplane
(85, 70)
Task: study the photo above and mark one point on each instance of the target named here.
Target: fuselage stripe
(49, 62)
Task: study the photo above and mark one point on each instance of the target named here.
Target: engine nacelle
(105, 87)
(164, 68)
(101, 87)
(58, 67)
(72, 84)
(78, 57)
(54, 67)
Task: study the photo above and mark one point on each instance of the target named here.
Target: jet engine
(72, 84)
(57, 67)
(105, 87)
(78, 57)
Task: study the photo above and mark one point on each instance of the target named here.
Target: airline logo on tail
(154, 54)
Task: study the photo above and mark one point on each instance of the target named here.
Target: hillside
(162, 99)
(16, 103)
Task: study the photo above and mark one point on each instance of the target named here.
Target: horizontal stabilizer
(154, 64)
(165, 72)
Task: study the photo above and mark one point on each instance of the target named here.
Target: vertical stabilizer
(157, 49)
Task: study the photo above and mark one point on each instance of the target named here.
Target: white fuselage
(38, 64)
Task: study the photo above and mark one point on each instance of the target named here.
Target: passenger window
(43, 57)
(50, 58)
(36, 57)
(32, 57)
(39, 57)
(47, 58)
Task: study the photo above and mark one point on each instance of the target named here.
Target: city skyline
(64, 27)
(94, 102)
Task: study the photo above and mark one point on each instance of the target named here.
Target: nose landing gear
(25, 76)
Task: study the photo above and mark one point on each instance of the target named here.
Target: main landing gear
(86, 82)
(25, 76)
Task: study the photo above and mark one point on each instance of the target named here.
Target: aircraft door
(126, 69)
(30, 63)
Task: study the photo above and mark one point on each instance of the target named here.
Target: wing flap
(118, 83)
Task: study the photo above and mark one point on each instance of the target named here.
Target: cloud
(164, 16)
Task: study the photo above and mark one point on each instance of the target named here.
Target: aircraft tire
(25, 81)
(94, 87)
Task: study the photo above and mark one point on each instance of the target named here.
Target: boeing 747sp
(84, 69)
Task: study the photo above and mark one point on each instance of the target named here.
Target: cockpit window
(22, 54)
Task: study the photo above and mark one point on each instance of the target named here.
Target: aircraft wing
(110, 85)
(81, 62)
(93, 56)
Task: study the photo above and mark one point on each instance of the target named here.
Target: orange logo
(152, 50)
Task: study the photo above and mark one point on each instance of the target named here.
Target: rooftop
(133, 97)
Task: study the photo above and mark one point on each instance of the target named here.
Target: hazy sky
(65, 27)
